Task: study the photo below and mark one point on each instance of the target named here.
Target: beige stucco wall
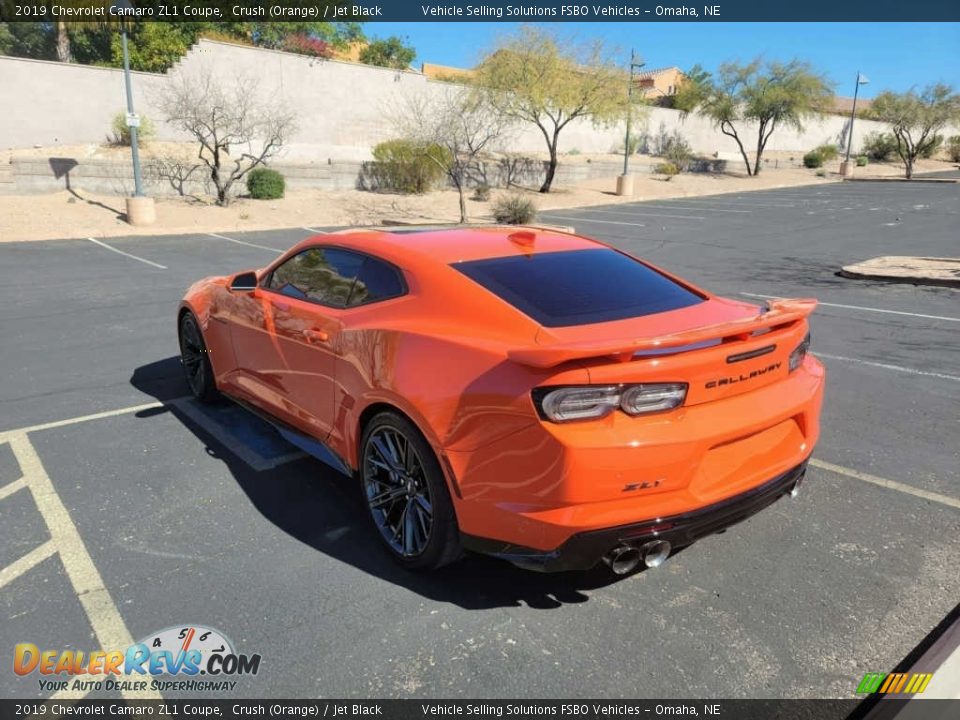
(344, 108)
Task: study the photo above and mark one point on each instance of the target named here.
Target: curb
(904, 279)
(952, 181)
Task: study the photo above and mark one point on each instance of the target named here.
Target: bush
(406, 166)
(265, 184)
(862, 160)
(932, 147)
(677, 152)
(828, 152)
(813, 159)
(668, 169)
(514, 209)
(821, 173)
(121, 133)
(953, 148)
(880, 146)
(481, 193)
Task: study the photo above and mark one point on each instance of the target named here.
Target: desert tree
(916, 119)
(455, 127)
(537, 78)
(755, 97)
(236, 126)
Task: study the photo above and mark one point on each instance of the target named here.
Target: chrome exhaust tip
(795, 489)
(623, 559)
(655, 553)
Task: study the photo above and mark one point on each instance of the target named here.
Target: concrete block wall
(344, 109)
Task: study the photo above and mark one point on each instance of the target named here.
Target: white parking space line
(244, 242)
(889, 484)
(865, 309)
(29, 561)
(687, 207)
(126, 254)
(887, 366)
(6, 434)
(10, 488)
(105, 619)
(736, 203)
(591, 220)
(314, 230)
(642, 214)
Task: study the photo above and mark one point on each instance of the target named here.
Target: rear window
(579, 287)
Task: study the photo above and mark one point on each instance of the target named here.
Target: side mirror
(244, 282)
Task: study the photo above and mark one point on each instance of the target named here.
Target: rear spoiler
(774, 315)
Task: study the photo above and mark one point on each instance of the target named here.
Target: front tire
(406, 494)
(195, 360)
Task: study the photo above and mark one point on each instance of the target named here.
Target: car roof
(452, 244)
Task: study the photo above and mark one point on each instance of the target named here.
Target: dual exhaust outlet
(624, 559)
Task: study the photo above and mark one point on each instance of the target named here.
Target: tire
(406, 494)
(195, 360)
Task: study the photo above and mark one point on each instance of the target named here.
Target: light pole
(140, 210)
(861, 80)
(625, 181)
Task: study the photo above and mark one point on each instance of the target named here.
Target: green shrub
(821, 173)
(879, 146)
(862, 160)
(668, 169)
(827, 152)
(514, 209)
(931, 148)
(265, 184)
(481, 193)
(677, 152)
(408, 166)
(121, 133)
(813, 159)
(953, 148)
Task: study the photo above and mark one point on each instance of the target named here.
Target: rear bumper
(584, 550)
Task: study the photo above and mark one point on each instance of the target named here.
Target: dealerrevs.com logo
(184, 652)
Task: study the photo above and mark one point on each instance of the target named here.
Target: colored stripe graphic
(907, 683)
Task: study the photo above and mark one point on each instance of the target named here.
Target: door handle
(314, 335)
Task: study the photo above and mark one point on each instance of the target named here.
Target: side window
(376, 281)
(324, 275)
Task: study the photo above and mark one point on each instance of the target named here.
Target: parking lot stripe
(314, 230)
(886, 366)
(642, 214)
(126, 254)
(687, 207)
(105, 619)
(591, 220)
(889, 484)
(244, 242)
(865, 309)
(33, 558)
(6, 434)
(10, 488)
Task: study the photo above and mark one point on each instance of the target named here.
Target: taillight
(589, 402)
(799, 353)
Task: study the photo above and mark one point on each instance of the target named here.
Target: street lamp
(133, 122)
(140, 209)
(625, 182)
(861, 80)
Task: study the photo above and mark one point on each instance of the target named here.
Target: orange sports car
(521, 392)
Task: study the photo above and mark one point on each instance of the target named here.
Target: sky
(893, 56)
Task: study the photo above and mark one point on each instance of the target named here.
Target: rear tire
(195, 359)
(406, 494)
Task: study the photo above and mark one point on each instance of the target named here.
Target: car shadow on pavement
(324, 509)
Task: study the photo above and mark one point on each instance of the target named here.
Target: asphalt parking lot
(126, 508)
